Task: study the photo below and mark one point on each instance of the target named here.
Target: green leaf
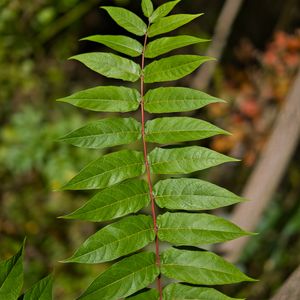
(170, 23)
(114, 202)
(167, 44)
(192, 194)
(173, 68)
(127, 19)
(11, 276)
(42, 290)
(108, 170)
(120, 43)
(176, 291)
(196, 229)
(110, 65)
(105, 133)
(106, 99)
(151, 294)
(115, 240)
(123, 278)
(199, 267)
(147, 8)
(185, 160)
(176, 99)
(179, 129)
(163, 10)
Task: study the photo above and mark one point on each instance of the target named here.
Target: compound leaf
(106, 99)
(151, 294)
(42, 290)
(163, 10)
(184, 292)
(179, 129)
(170, 23)
(147, 8)
(110, 65)
(185, 160)
(123, 278)
(199, 267)
(192, 194)
(114, 202)
(173, 68)
(176, 99)
(120, 43)
(11, 276)
(127, 20)
(108, 170)
(115, 240)
(105, 133)
(196, 229)
(166, 44)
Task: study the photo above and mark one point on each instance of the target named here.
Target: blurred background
(258, 44)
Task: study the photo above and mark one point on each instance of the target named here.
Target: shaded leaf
(127, 19)
(175, 291)
(170, 23)
(179, 129)
(108, 170)
(120, 43)
(42, 290)
(185, 160)
(192, 194)
(105, 133)
(173, 68)
(151, 294)
(110, 65)
(163, 10)
(147, 8)
(106, 99)
(167, 44)
(176, 99)
(115, 240)
(199, 267)
(114, 202)
(196, 229)
(11, 276)
(123, 278)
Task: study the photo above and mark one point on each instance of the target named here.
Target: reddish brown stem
(148, 173)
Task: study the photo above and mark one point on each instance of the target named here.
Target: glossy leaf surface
(127, 19)
(179, 129)
(123, 278)
(163, 10)
(114, 202)
(170, 23)
(108, 170)
(199, 267)
(11, 276)
(42, 290)
(173, 68)
(166, 44)
(110, 65)
(192, 194)
(175, 291)
(147, 8)
(196, 229)
(106, 99)
(120, 43)
(185, 160)
(176, 99)
(115, 240)
(105, 133)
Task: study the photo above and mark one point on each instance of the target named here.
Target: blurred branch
(222, 31)
(269, 170)
(290, 289)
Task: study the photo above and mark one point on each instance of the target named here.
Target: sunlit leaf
(123, 278)
(42, 290)
(163, 10)
(147, 8)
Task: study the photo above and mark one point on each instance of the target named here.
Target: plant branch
(159, 287)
